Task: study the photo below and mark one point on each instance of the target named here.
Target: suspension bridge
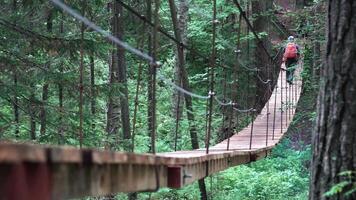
(30, 171)
(45, 172)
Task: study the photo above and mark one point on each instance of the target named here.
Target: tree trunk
(113, 114)
(60, 92)
(262, 59)
(81, 79)
(334, 139)
(92, 89)
(45, 86)
(43, 109)
(16, 102)
(149, 81)
(32, 111)
(32, 101)
(121, 76)
(182, 27)
(16, 107)
(185, 83)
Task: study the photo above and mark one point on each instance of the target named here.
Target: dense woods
(63, 83)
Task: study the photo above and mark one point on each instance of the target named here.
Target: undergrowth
(282, 175)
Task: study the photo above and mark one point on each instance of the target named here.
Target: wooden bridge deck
(46, 172)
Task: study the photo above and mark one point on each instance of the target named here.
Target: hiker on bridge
(290, 58)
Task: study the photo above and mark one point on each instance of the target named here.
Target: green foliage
(282, 175)
(39, 57)
(346, 187)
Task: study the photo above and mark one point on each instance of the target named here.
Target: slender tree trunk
(60, 92)
(45, 86)
(150, 117)
(122, 79)
(81, 79)
(32, 111)
(92, 88)
(43, 109)
(153, 75)
(185, 84)
(334, 148)
(182, 25)
(16, 102)
(16, 107)
(113, 115)
(32, 100)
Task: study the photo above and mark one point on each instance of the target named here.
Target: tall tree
(16, 100)
(150, 117)
(81, 79)
(113, 114)
(334, 140)
(121, 76)
(182, 26)
(45, 85)
(262, 61)
(32, 107)
(92, 87)
(179, 34)
(60, 90)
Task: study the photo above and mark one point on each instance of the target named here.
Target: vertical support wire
(290, 102)
(282, 72)
(229, 129)
(293, 100)
(251, 133)
(211, 93)
(286, 101)
(275, 108)
(269, 89)
(224, 80)
(296, 90)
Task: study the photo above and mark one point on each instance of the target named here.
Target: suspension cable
(95, 27)
(125, 46)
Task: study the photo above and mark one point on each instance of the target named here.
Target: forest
(157, 77)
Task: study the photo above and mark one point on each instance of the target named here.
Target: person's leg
(292, 67)
(288, 71)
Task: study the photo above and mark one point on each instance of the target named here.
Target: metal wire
(98, 29)
(245, 111)
(222, 103)
(168, 82)
(123, 45)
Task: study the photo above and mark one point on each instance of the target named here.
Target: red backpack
(291, 51)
